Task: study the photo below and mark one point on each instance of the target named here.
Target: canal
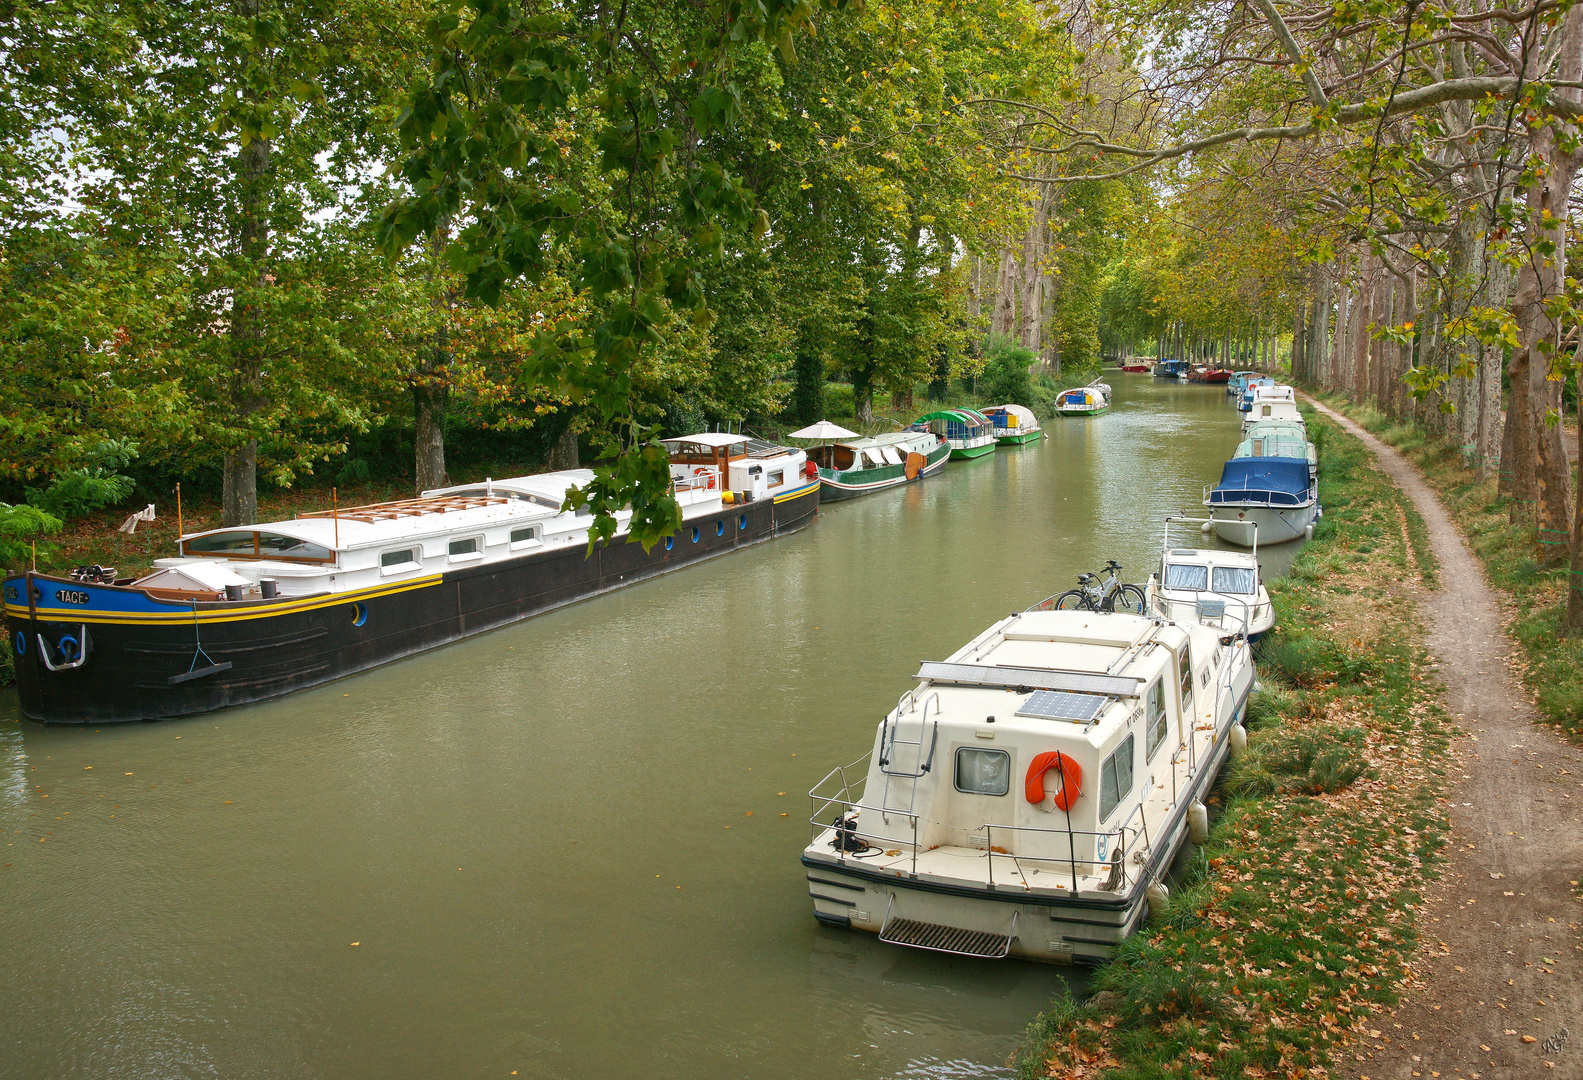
(569, 848)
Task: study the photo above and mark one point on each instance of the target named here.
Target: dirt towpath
(1496, 989)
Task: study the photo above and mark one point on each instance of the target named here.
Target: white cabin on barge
(1023, 798)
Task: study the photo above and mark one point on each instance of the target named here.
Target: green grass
(1508, 545)
(1293, 923)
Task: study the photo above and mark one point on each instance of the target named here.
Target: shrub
(20, 527)
(1005, 376)
(95, 485)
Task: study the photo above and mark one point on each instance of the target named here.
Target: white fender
(1239, 740)
(1197, 822)
(1159, 898)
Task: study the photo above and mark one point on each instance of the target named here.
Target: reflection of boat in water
(247, 614)
(859, 466)
(1219, 588)
(1004, 808)
(1014, 425)
(970, 433)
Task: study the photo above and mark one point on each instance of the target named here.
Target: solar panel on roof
(1062, 705)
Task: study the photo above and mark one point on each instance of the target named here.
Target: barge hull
(144, 662)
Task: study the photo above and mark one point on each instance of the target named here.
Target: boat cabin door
(1186, 718)
(758, 487)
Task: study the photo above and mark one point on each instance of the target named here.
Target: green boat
(1014, 425)
(859, 466)
(970, 433)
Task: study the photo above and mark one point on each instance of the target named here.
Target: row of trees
(245, 237)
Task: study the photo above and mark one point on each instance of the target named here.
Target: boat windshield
(1234, 579)
(1186, 576)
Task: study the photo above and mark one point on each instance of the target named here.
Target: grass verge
(1552, 661)
(1294, 922)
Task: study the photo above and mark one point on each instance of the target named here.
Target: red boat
(1216, 375)
(1135, 367)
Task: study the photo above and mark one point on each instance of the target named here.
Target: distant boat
(1088, 400)
(1171, 369)
(1238, 382)
(1263, 500)
(1015, 425)
(1136, 367)
(860, 466)
(1272, 403)
(1245, 402)
(969, 432)
(1217, 376)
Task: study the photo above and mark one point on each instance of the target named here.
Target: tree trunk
(1032, 315)
(428, 408)
(1004, 318)
(239, 476)
(563, 455)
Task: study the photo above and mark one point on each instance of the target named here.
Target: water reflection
(568, 848)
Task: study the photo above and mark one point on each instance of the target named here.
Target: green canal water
(568, 848)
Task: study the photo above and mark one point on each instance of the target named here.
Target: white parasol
(824, 429)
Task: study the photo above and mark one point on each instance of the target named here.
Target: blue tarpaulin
(1270, 481)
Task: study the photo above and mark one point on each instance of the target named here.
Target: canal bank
(569, 847)
(1298, 918)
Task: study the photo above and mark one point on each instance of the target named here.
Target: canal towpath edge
(1499, 975)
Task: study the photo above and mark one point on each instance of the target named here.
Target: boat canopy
(959, 423)
(1270, 481)
(1014, 416)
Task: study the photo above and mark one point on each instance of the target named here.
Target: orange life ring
(1071, 779)
(706, 472)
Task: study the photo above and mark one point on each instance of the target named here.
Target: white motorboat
(1272, 403)
(1263, 500)
(1215, 587)
(1279, 438)
(1027, 796)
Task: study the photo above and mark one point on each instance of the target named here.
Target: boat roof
(1277, 425)
(442, 510)
(889, 438)
(1212, 557)
(1072, 671)
(709, 438)
(969, 415)
(1265, 474)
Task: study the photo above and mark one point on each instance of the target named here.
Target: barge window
(1234, 579)
(776, 479)
(1186, 576)
(522, 536)
(1187, 683)
(463, 548)
(404, 557)
(1115, 778)
(276, 546)
(983, 772)
(235, 543)
(1156, 715)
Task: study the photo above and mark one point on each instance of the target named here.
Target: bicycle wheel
(1075, 600)
(1128, 599)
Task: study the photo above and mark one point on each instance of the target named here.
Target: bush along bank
(1291, 928)
(1552, 661)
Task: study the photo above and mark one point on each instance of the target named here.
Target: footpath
(1496, 989)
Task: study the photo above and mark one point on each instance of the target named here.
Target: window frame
(956, 769)
(534, 538)
(1107, 770)
(1152, 742)
(465, 556)
(413, 561)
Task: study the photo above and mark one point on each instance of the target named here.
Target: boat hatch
(1079, 682)
(1063, 705)
(948, 939)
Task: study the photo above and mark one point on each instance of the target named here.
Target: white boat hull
(1276, 524)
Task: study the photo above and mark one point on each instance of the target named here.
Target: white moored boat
(1027, 797)
(1272, 403)
(1219, 588)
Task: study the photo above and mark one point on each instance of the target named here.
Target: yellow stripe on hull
(133, 618)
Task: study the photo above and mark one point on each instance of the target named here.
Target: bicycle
(1110, 594)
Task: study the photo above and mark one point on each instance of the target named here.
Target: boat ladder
(905, 761)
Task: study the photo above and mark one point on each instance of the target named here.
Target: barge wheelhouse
(1022, 799)
(246, 614)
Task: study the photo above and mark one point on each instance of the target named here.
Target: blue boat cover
(1272, 481)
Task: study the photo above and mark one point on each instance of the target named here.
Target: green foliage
(79, 492)
(1005, 377)
(21, 526)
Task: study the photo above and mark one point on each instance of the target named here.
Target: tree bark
(563, 455)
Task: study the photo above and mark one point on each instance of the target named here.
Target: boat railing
(837, 792)
(1253, 495)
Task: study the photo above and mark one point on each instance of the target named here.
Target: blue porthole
(742, 521)
(359, 614)
(670, 542)
(21, 643)
(695, 534)
(720, 528)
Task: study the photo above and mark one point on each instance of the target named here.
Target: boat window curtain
(983, 772)
(1186, 576)
(1234, 579)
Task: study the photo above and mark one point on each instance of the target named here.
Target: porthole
(359, 614)
(742, 521)
(670, 542)
(21, 643)
(695, 534)
(720, 528)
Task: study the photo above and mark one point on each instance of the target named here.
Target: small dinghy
(860, 466)
(1014, 425)
(1217, 588)
(1027, 796)
(970, 433)
(1263, 501)
(1090, 400)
